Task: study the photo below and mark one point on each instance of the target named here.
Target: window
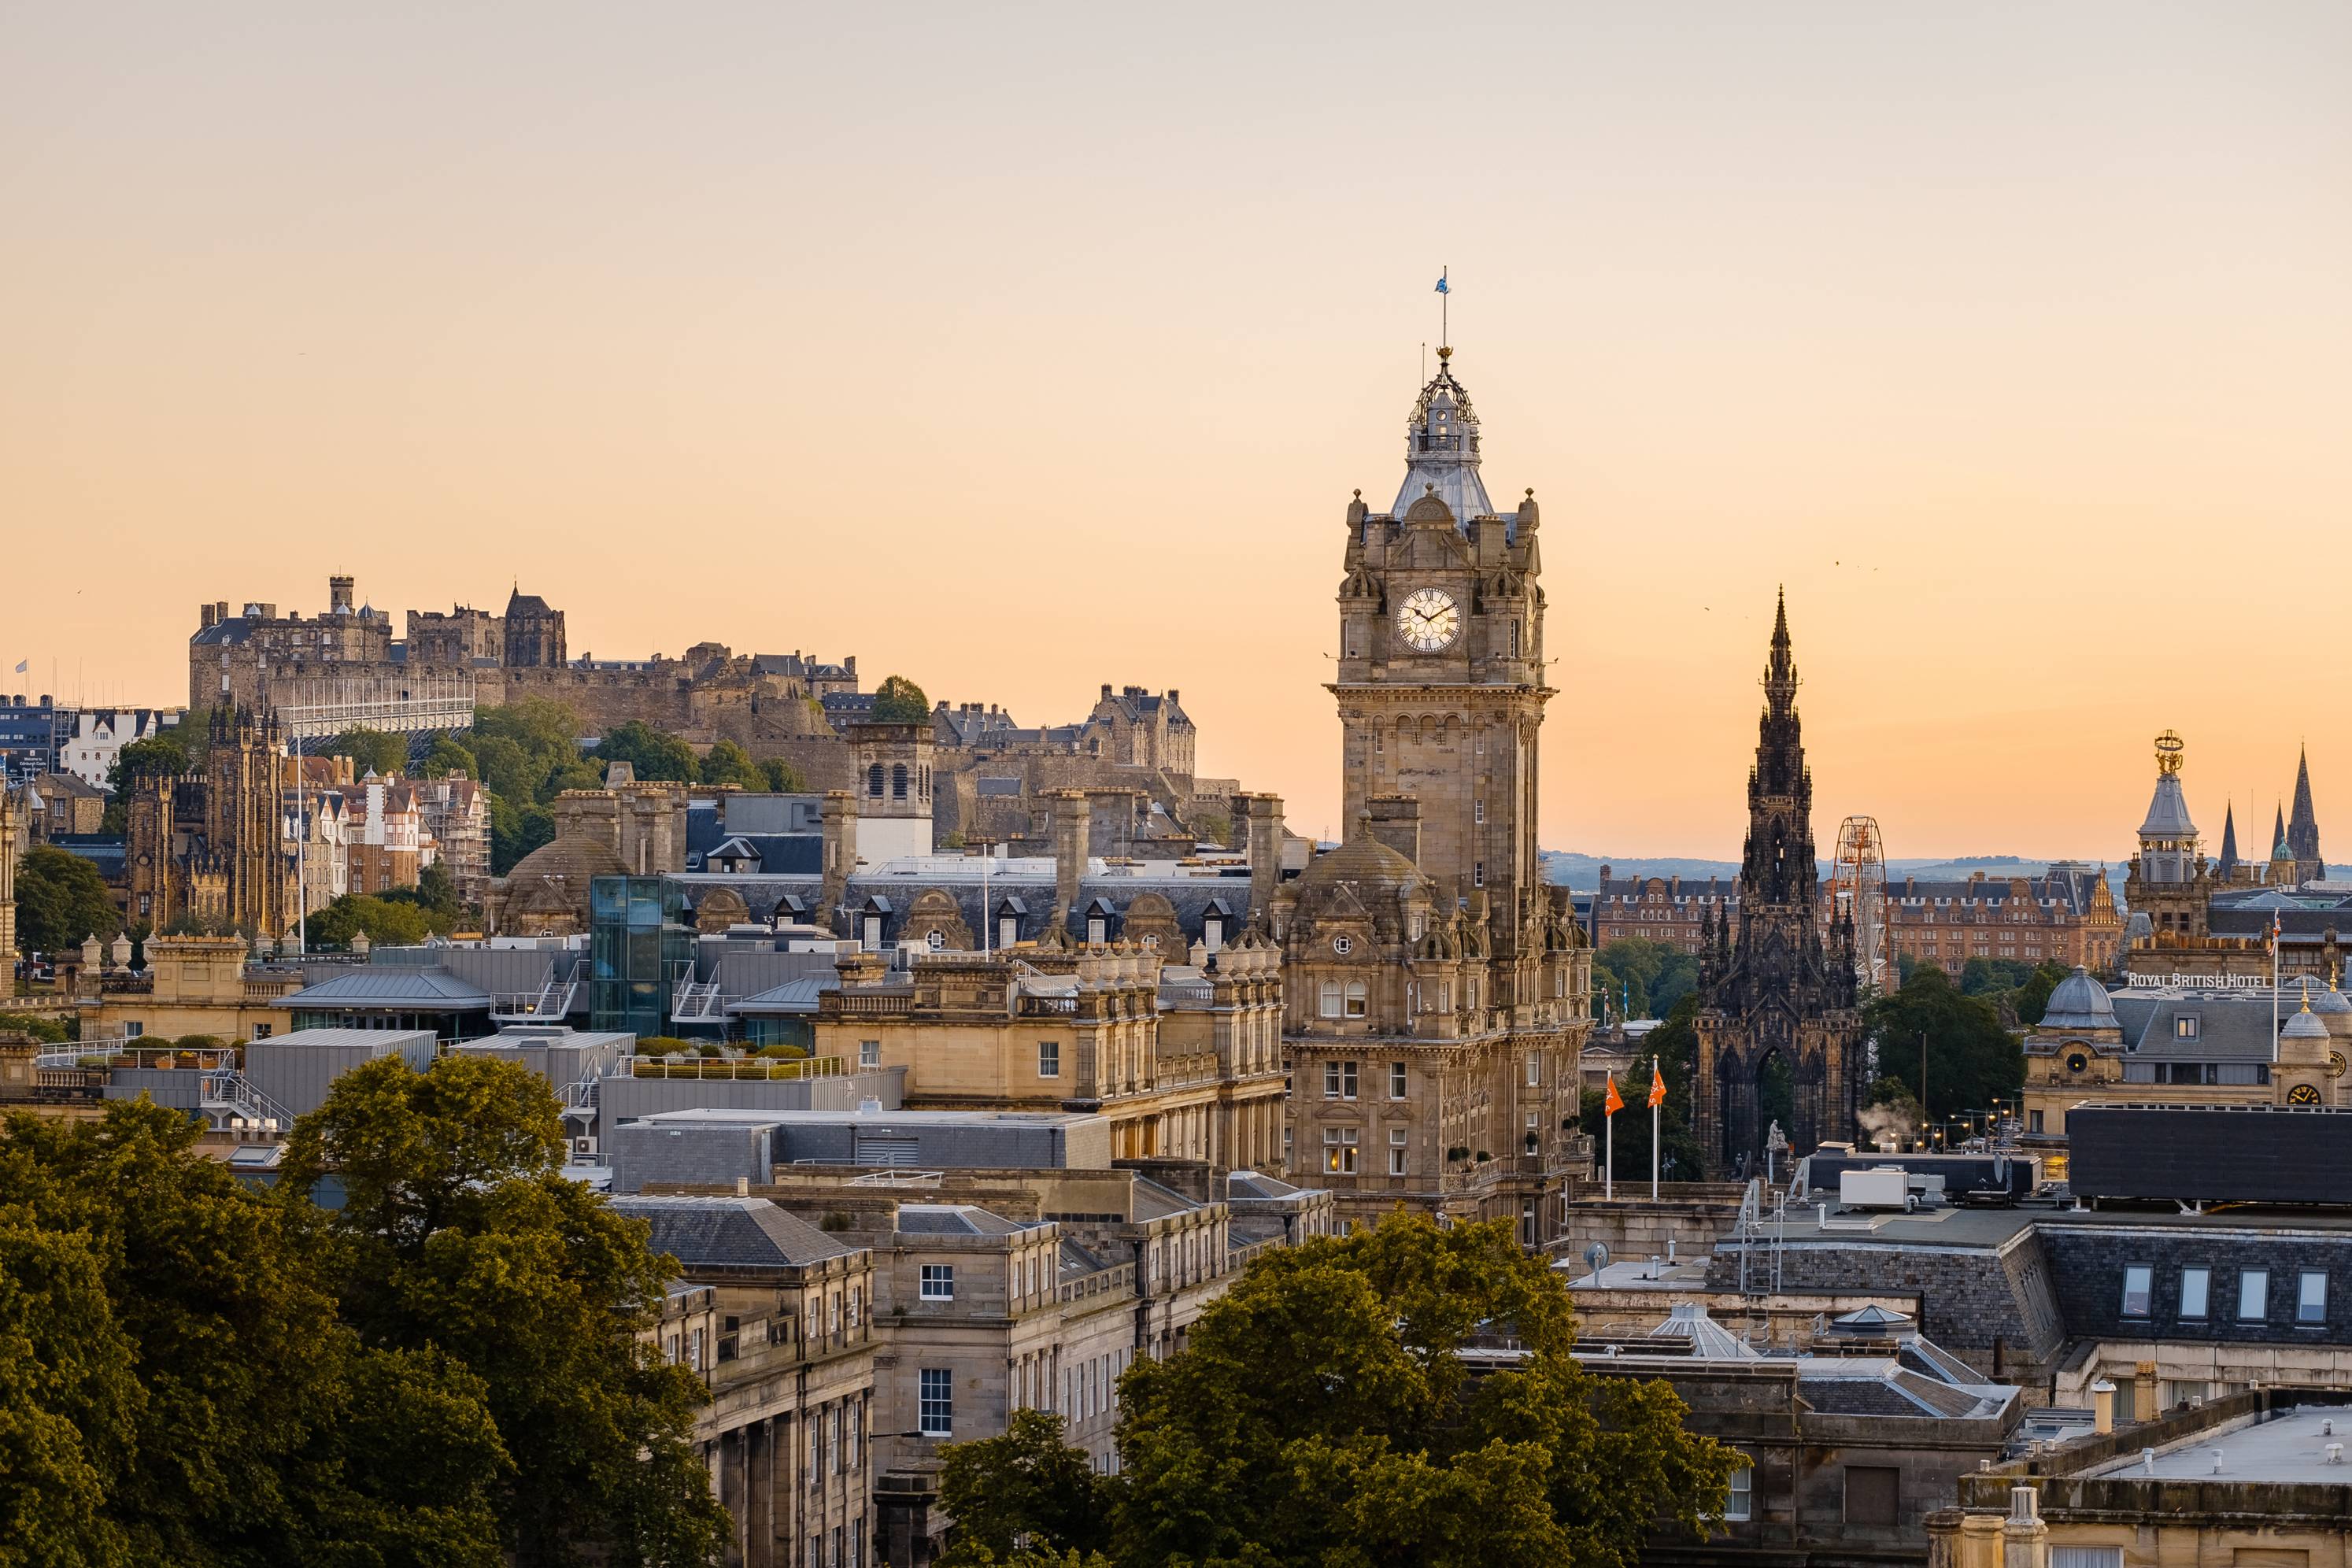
(898, 780)
(836, 1441)
(2184, 1028)
(1098, 929)
(869, 1053)
(1477, 811)
(2087, 1557)
(2253, 1295)
(1212, 933)
(1049, 1058)
(2034, 1122)
(938, 1402)
(2311, 1296)
(1340, 1151)
(1008, 931)
(1397, 1153)
(2137, 1281)
(1478, 874)
(1396, 1080)
(1339, 1080)
(873, 933)
(1535, 1070)
(1872, 1494)
(1356, 1008)
(1736, 1503)
(2194, 1286)
(132, 1031)
(1330, 1008)
(874, 780)
(856, 1303)
(938, 1281)
(936, 940)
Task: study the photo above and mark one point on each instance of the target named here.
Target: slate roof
(2168, 811)
(772, 854)
(791, 997)
(952, 1219)
(2229, 1028)
(392, 985)
(1076, 1262)
(1025, 894)
(730, 1233)
(1153, 1200)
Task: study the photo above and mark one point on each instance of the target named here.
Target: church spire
(2229, 861)
(2303, 827)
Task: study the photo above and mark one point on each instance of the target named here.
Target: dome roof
(1362, 860)
(2079, 1002)
(2331, 1001)
(573, 857)
(2304, 1025)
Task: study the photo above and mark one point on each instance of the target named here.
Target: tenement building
(1771, 989)
(1437, 988)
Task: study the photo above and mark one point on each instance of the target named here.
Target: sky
(1022, 349)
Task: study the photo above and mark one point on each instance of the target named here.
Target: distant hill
(1575, 870)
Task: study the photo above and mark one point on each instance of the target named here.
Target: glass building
(639, 946)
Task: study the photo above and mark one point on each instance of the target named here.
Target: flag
(1613, 1105)
(1657, 1087)
(1441, 284)
(21, 664)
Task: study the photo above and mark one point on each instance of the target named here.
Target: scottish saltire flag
(1441, 284)
(21, 664)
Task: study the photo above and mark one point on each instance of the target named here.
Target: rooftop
(2292, 1447)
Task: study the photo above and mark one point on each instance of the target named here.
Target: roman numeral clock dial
(1429, 620)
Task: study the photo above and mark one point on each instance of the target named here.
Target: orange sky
(1020, 351)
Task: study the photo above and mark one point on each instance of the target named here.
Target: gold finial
(2168, 750)
(1443, 352)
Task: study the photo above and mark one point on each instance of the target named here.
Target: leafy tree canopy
(1971, 1059)
(1642, 978)
(652, 753)
(783, 778)
(898, 700)
(60, 900)
(447, 758)
(386, 923)
(459, 1233)
(729, 763)
(1321, 1413)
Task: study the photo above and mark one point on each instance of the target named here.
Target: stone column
(840, 850)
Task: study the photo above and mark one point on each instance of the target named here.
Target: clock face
(1429, 619)
(2302, 1094)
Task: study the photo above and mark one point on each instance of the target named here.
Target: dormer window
(2184, 1028)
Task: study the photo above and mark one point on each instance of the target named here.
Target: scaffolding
(319, 708)
(1858, 889)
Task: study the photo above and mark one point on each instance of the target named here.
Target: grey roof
(773, 854)
(1027, 895)
(951, 1220)
(1153, 1200)
(2229, 1028)
(730, 1233)
(2079, 1002)
(791, 997)
(2168, 811)
(1258, 1184)
(392, 985)
(1076, 1262)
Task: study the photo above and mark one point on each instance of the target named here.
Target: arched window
(1355, 998)
(898, 780)
(874, 780)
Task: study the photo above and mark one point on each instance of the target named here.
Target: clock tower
(1441, 679)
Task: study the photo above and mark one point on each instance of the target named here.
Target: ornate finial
(1532, 492)
(1360, 495)
(1429, 490)
(1443, 352)
(2168, 750)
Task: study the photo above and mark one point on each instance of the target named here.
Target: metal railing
(228, 1089)
(553, 1000)
(754, 1069)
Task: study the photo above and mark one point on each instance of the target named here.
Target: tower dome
(2304, 1025)
(1441, 449)
(2079, 1002)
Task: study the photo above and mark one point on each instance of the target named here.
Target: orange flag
(1613, 1105)
(1657, 1087)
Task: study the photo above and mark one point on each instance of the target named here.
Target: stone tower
(1441, 679)
(2169, 880)
(243, 830)
(1773, 989)
(2303, 827)
(12, 845)
(534, 633)
(891, 776)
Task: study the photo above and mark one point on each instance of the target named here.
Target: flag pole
(1654, 1134)
(1609, 1160)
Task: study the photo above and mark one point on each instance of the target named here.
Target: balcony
(751, 1068)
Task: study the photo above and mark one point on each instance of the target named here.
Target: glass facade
(639, 945)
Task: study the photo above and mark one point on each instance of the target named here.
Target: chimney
(208, 615)
(840, 852)
(220, 610)
(1396, 822)
(1259, 819)
(338, 593)
(1070, 815)
(1106, 696)
(2103, 1408)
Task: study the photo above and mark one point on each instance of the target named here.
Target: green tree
(783, 778)
(1675, 1044)
(1322, 1413)
(159, 756)
(449, 758)
(898, 700)
(386, 923)
(1971, 1059)
(516, 830)
(1024, 1491)
(1644, 978)
(435, 895)
(458, 1232)
(729, 763)
(2031, 998)
(60, 899)
(653, 753)
(370, 751)
(177, 1385)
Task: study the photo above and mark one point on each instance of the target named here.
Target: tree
(447, 758)
(515, 831)
(435, 895)
(60, 900)
(163, 755)
(1321, 1413)
(1675, 1043)
(729, 763)
(1644, 978)
(652, 753)
(2032, 995)
(1025, 1491)
(898, 700)
(783, 778)
(371, 752)
(386, 923)
(458, 1233)
(178, 1388)
(1971, 1059)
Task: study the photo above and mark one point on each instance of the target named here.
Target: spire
(2168, 809)
(2279, 850)
(2303, 828)
(1780, 670)
(1441, 449)
(2229, 862)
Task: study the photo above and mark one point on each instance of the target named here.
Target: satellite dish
(1596, 1255)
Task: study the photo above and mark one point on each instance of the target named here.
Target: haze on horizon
(1019, 355)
